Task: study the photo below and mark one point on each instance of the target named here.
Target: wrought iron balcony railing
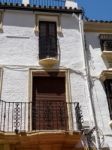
(58, 3)
(11, 1)
(52, 3)
(28, 116)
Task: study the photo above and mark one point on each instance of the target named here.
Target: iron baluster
(79, 117)
(8, 115)
(4, 116)
(25, 114)
(12, 114)
(1, 102)
(17, 117)
(21, 114)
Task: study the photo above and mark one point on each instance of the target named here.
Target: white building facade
(98, 55)
(43, 77)
(50, 63)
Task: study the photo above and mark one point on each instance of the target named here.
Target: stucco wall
(97, 64)
(18, 41)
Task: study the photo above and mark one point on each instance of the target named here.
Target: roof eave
(49, 9)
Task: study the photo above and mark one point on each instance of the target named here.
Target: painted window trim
(52, 18)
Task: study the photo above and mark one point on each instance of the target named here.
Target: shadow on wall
(19, 19)
(94, 44)
(105, 62)
(70, 22)
(101, 82)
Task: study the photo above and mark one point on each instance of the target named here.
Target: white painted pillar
(71, 3)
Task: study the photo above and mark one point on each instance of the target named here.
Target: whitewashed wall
(19, 52)
(97, 65)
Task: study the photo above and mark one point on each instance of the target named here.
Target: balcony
(49, 125)
(57, 3)
(48, 51)
(24, 116)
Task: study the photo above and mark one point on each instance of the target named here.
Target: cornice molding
(103, 27)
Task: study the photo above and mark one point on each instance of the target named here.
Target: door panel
(49, 110)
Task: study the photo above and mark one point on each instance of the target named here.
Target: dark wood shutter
(49, 110)
(108, 89)
(47, 39)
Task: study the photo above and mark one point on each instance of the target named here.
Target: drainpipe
(89, 80)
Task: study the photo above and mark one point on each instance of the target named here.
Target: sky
(97, 9)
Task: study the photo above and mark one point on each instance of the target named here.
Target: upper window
(106, 42)
(48, 18)
(47, 39)
(108, 89)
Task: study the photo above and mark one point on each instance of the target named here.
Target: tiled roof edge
(98, 21)
(28, 7)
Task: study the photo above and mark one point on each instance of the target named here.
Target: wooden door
(49, 110)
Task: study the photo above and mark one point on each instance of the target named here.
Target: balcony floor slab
(43, 141)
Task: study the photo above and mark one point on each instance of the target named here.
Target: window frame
(50, 18)
(35, 71)
(105, 38)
